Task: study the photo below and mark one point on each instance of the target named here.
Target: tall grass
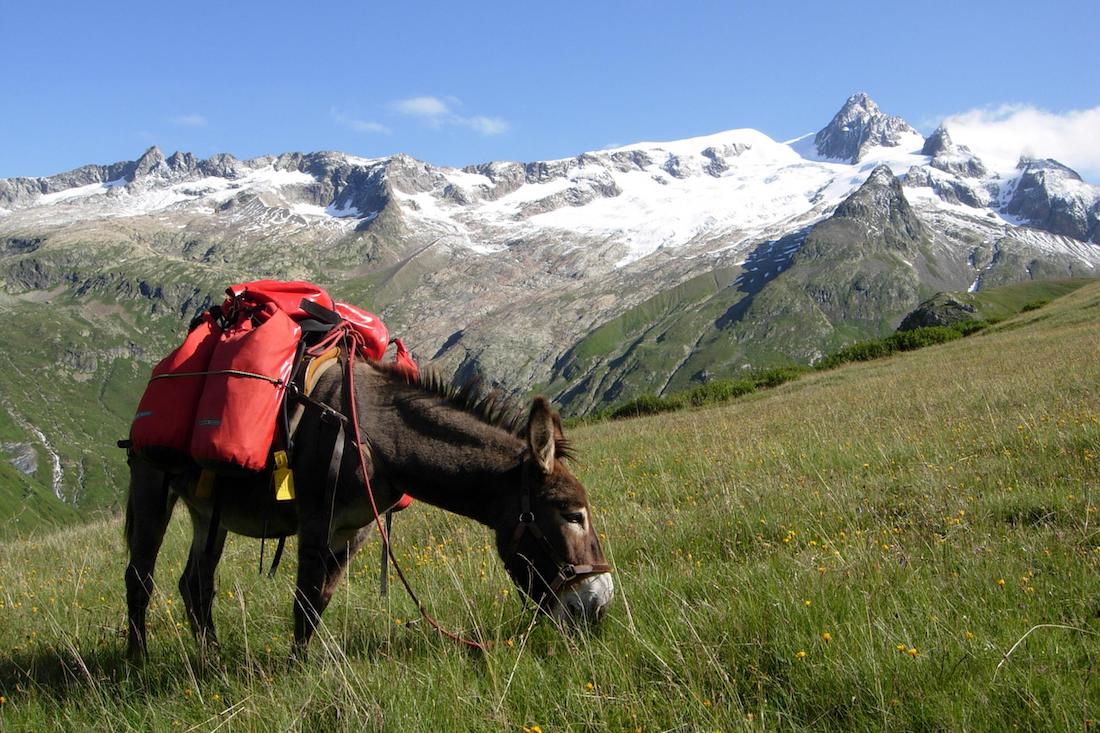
(858, 549)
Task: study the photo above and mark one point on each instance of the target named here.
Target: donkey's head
(545, 535)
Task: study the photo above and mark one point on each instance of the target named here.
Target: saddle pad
(314, 370)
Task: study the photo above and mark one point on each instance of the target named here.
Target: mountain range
(592, 279)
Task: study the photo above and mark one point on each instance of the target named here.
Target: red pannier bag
(161, 430)
(286, 295)
(369, 326)
(248, 372)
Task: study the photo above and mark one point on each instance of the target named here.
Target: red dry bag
(369, 326)
(286, 295)
(248, 372)
(161, 430)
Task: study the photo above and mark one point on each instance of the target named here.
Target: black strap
(334, 473)
(278, 556)
(263, 541)
(319, 312)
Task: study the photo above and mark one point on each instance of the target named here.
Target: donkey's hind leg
(320, 569)
(148, 509)
(197, 582)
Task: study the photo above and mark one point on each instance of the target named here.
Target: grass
(1008, 300)
(858, 549)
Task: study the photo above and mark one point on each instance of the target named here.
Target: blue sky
(455, 83)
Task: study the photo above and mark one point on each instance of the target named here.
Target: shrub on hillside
(918, 338)
(649, 404)
(719, 390)
(1034, 305)
(775, 377)
(860, 351)
(968, 327)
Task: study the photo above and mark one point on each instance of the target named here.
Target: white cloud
(429, 108)
(191, 120)
(437, 112)
(367, 126)
(1000, 135)
(487, 125)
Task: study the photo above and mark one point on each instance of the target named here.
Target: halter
(568, 573)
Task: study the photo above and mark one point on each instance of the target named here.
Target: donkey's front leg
(197, 581)
(148, 509)
(319, 572)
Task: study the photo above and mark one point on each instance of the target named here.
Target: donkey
(451, 448)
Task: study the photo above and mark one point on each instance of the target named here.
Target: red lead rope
(353, 337)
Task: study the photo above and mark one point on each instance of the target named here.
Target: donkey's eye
(573, 517)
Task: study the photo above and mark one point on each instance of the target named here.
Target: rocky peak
(150, 161)
(880, 204)
(938, 142)
(952, 158)
(1046, 167)
(1051, 196)
(859, 126)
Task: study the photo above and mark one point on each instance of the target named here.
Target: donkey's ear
(543, 429)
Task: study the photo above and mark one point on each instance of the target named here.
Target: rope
(231, 372)
(352, 336)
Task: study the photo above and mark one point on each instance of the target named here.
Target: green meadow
(910, 543)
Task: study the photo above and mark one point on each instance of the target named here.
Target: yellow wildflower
(826, 637)
(801, 654)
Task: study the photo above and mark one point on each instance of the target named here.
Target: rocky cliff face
(858, 127)
(1052, 197)
(951, 158)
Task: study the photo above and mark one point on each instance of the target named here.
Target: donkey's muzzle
(587, 601)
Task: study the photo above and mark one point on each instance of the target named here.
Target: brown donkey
(445, 447)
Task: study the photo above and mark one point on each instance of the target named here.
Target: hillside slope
(903, 544)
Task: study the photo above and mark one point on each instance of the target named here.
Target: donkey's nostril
(575, 608)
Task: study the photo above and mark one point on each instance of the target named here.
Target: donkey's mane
(489, 406)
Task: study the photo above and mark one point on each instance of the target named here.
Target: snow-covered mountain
(506, 268)
(592, 279)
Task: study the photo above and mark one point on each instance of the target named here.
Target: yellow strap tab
(204, 489)
(284, 477)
